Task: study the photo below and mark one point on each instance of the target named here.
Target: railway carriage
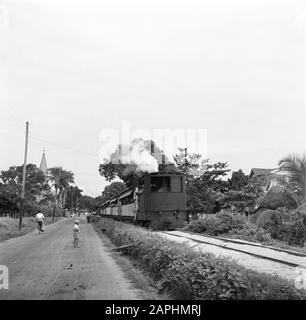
(158, 201)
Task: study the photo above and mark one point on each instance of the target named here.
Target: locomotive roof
(160, 174)
(116, 196)
(146, 174)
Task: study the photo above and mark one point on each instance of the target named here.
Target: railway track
(244, 242)
(282, 256)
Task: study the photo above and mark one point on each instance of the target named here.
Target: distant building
(43, 164)
(260, 172)
(44, 168)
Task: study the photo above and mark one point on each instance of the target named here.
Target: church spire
(43, 164)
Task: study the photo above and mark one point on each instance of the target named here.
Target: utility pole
(71, 200)
(24, 175)
(77, 205)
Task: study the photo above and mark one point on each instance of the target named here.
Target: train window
(127, 200)
(160, 184)
(176, 184)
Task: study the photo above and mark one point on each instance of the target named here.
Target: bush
(32, 207)
(218, 224)
(293, 227)
(284, 225)
(278, 197)
(254, 216)
(209, 224)
(187, 274)
(231, 220)
(251, 233)
(48, 210)
(268, 219)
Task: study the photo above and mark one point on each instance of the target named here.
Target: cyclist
(40, 221)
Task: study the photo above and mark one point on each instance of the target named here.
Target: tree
(278, 197)
(294, 168)
(35, 180)
(60, 180)
(11, 184)
(46, 198)
(9, 199)
(238, 180)
(126, 172)
(87, 203)
(189, 164)
(204, 181)
(112, 190)
(73, 195)
(203, 191)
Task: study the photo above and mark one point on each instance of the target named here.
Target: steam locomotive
(158, 201)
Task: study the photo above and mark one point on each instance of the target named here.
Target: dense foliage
(284, 225)
(278, 197)
(55, 189)
(61, 181)
(10, 187)
(112, 190)
(187, 274)
(208, 191)
(87, 203)
(294, 168)
(225, 223)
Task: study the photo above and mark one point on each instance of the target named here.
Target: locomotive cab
(162, 200)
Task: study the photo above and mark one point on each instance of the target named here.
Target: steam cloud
(142, 158)
(136, 154)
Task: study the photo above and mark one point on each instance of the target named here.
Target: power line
(64, 147)
(51, 143)
(24, 175)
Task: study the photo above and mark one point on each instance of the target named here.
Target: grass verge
(139, 278)
(9, 227)
(183, 273)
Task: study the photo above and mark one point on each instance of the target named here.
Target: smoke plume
(138, 155)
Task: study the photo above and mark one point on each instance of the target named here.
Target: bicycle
(40, 227)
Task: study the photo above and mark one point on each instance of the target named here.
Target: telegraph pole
(24, 175)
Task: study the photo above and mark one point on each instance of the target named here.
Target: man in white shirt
(40, 221)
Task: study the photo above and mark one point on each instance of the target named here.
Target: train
(157, 201)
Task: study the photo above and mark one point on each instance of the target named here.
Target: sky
(236, 69)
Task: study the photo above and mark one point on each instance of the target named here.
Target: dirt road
(47, 266)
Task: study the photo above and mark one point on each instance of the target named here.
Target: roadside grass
(183, 273)
(9, 227)
(140, 278)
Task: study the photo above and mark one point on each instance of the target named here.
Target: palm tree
(294, 168)
(73, 194)
(60, 180)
